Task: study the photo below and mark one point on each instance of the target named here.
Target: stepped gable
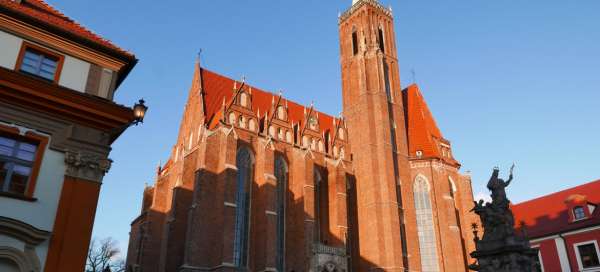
(423, 132)
(41, 12)
(217, 87)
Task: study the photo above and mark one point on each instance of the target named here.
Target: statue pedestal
(499, 256)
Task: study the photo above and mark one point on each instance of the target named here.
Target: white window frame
(578, 256)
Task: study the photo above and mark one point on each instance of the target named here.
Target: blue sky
(506, 80)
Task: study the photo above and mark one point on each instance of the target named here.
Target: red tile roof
(548, 215)
(41, 12)
(423, 132)
(216, 87)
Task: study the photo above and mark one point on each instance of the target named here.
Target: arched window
(272, 131)
(281, 173)
(305, 141)
(252, 125)
(232, 118)
(245, 166)
(341, 134)
(425, 227)
(354, 42)
(244, 99)
(321, 204)
(242, 122)
(281, 114)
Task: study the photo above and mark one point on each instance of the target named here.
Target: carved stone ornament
(86, 166)
(329, 259)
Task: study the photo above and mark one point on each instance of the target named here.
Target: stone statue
(498, 186)
(500, 249)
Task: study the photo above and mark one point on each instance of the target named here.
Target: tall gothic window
(321, 204)
(245, 165)
(281, 173)
(425, 227)
(381, 41)
(354, 43)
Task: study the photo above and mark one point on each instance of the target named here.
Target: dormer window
(419, 153)
(578, 213)
(39, 62)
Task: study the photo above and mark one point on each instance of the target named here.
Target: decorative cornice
(86, 165)
(37, 95)
(360, 4)
(22, 231)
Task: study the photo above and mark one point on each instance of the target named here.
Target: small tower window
(381, 41)
(354, 43)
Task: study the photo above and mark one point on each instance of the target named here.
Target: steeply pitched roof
(217, 87)
(548, 215)
(41, 12)
(422, 131)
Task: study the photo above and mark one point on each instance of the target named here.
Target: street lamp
(139, 111)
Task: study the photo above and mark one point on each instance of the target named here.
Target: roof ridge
(558, 192)
(254, 88)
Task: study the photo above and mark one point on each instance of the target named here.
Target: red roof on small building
(217, 87)
(40, 11)
(549, 214)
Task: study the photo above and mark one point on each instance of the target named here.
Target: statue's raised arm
(510, 177)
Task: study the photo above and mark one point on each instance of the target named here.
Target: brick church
(256, 182)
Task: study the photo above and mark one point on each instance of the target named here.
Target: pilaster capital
(85, 165)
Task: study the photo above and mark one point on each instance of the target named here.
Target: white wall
(10, 46)
(74, 74)
(40, 213)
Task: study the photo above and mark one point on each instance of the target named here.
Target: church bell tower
(373, 110)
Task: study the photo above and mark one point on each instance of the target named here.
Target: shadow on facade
(197, 232)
